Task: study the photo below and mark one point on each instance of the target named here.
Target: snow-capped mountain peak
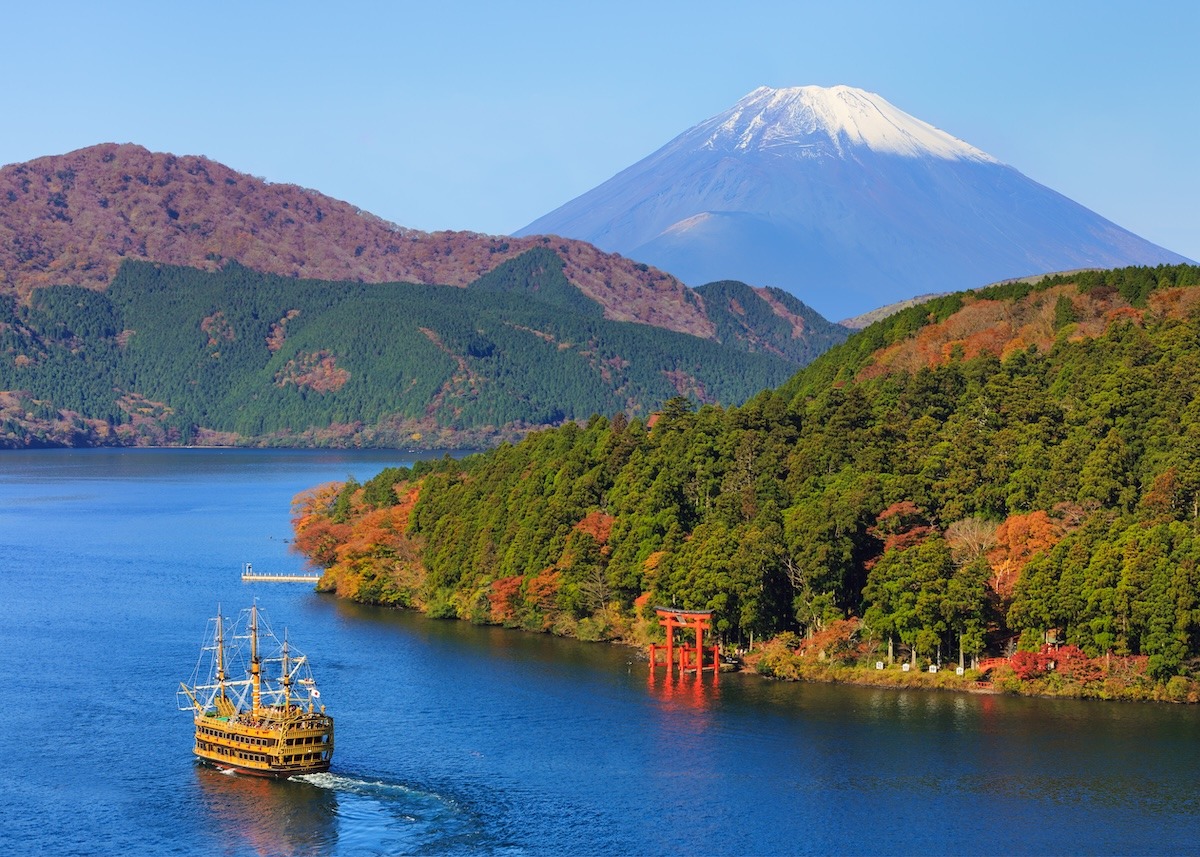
(819, 118)
(844, 200)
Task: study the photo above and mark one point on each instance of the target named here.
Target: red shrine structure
(690, 657)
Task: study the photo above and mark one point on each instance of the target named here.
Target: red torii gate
(690, 657)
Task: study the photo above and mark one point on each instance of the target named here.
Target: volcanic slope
(842, 199)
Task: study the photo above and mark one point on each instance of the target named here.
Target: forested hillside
(176, 355)
(987, 470)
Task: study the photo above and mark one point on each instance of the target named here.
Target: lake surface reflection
(460, 739)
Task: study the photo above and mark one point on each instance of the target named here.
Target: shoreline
(1125, 683)
(808, 670)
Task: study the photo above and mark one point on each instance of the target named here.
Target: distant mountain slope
(867, 319)
(843, 200)
(768, 320)
(1034, 316)
(175, 355)
(72, 219)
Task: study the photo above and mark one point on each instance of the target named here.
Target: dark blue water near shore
(457, 739)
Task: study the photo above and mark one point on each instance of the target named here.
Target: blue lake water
(455, 739)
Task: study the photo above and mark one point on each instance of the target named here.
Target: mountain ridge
(71, 219)
(77, 221)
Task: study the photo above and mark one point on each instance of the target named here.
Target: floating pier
(249, 575)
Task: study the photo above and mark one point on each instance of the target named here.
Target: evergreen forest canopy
(173, 354)
(988, 469)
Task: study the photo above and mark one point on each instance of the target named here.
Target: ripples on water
(454, 739)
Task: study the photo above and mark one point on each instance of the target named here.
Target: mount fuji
(844, 200)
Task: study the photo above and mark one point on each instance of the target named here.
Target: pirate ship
(254, 714)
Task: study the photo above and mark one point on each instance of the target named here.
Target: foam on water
(374, 812)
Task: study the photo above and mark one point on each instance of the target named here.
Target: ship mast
(255, 664)
(220, 657)
(285, 680)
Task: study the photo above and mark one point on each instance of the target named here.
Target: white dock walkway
(249, 575)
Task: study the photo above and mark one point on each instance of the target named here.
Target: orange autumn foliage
(377, 550)
(1018, 540)
(368, 552)
(542, 589)
(1005, 327)
(838, 641)
(374, 533)
(316, 536)
(317, 371)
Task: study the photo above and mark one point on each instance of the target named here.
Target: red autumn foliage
(1071, 662)
(901, 525)
(1029, 665)
(502, 596)
(598, 525)
(1075, 666)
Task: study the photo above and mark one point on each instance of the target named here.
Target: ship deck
(265, 746)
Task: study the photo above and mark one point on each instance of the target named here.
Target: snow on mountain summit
(817, 117)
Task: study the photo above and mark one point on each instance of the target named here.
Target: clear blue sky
(484, 116)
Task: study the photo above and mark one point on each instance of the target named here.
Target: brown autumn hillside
(1002, 327)
(72, 219)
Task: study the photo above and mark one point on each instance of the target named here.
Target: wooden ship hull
(302, 745)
